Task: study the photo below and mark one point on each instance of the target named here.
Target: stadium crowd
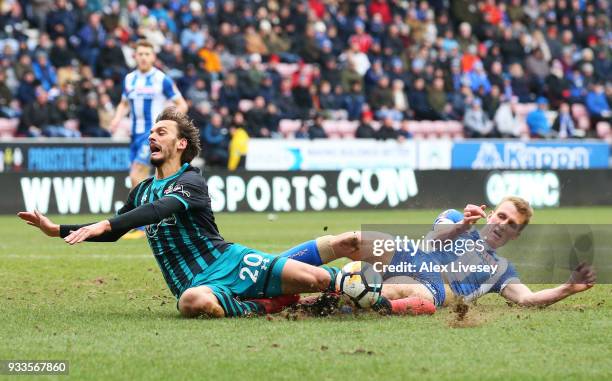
(246, 65)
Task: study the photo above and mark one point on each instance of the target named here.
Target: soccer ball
(360, 283)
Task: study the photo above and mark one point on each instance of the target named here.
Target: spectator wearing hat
(365, 129)
(537, 121)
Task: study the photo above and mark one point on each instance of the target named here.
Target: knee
(321, 279)
(195, 303)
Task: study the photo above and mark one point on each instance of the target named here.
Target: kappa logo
(488, 157)
(172, 188)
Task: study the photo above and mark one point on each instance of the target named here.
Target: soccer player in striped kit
(145, 93)
(207, 274)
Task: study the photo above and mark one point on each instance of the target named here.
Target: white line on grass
(76, 256)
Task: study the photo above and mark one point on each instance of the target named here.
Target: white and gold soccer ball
(360, 282)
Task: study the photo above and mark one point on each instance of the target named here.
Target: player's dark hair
(186, 130)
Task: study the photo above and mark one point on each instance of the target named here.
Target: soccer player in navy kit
(208, 275)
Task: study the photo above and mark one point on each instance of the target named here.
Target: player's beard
(157, 162)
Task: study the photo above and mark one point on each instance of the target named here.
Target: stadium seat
(288, 127)
(522, 109)
(581, 115)
(524, 130)
(604, 131)
(8, 127)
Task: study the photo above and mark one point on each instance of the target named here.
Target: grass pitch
(106, 309)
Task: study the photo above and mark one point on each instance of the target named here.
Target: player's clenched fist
(472, 213)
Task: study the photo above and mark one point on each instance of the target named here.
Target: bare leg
(400, 287)
(298, 277)
(356, 245)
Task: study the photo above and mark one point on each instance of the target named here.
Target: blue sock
(306, 252)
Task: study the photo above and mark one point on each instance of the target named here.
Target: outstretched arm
(581, 279)
(146, 214)
(106, 230)
(51, 229)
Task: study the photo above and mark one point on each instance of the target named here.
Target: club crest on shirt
(174, 188)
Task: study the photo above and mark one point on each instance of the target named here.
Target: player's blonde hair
(145, 44)
(522, 207)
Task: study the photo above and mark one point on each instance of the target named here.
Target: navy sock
(306, 252)
(333, 273)
(236, 308)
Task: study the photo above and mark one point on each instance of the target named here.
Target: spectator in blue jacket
(597, 104)
(539, 126)
(91, 39)
(193, 34)
(215, 141)
(44, 71)
(478, 78)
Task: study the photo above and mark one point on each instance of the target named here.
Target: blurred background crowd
(501, 68)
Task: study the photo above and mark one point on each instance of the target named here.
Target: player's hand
(39, 220)
(472, 213)
(88, 231)
(582, 278)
